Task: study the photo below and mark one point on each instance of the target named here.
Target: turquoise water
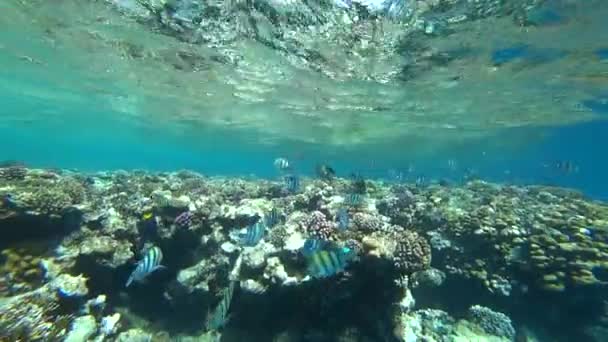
(443, 92)
(60, 110)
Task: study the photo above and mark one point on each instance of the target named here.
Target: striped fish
(254, 234)
(150, 263)
(354, 200)
(311, 246)
(343, 219)
(292, 183)
(282, 164)
(326, 263)
(219, 317)
(272, 218)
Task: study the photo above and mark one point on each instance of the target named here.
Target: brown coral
(33, 316)
(367, 222)
(413, 252)
(20, 270)
(13, 173)
(319, 227)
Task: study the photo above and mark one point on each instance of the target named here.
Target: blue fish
(272, 218)
(325, 263)
(150, 263)
(254, 234)
(292, 183)
(311, 246)
(343, 219)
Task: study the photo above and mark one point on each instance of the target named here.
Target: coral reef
(19, 271)
(13, 173)
(317, 226)
(502, 241)
(494, 323)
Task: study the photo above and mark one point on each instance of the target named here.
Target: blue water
(103, 144)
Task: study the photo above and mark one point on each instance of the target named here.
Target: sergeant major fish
(292, 183)
(219, 317)
(312, 246)
(326, 263)
(150, 263)
(272, 218)
(254, 234)
(282, 164)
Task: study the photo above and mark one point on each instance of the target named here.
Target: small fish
(325, 172)
(254, 234)
(327, 263)
(184, 220)
(272, 218)
(343, 219)
(354, 200)
(452, 166)
(219, 317)
(421, 181)
(150, 263)
(311, 246)
(292, 183)
(395, 175)
(282, 164)
(566, 166)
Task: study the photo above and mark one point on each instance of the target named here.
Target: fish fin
(129, 281)
(158, 268)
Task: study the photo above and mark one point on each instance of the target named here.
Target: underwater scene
(304, 170)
